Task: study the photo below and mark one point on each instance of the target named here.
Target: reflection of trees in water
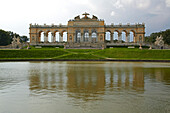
(159, 74)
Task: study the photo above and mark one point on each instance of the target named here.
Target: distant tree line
(7, 36)
(165, 35)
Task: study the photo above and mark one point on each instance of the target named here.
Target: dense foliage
(165, 34)
(7, 36)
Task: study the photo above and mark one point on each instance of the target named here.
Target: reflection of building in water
(47, 77)
(138, 79)
(124, 78)
(85, 81)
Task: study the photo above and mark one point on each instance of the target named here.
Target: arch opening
(57, 36)
(107, 36)
(49, 37)
(131, 36)
(94, 37)
(115, 37)
(124, 38)
(41, 35)
(65, 36)
(78, 37)
(86, 36)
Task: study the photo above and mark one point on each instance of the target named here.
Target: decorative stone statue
(16, 42)
(64, 46)
(94, 17)
(86, 16)
(103, 46)
(140, 46)
(150, 47)
(159, 41)
(77, 17)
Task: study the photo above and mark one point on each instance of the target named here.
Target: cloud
(118, 4)
(139, 4)
(142, 4)
(112, 13)
(167, 3)
(157, 10)
(19, 14)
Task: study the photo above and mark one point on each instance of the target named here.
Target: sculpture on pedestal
(159, 42)
(16, 42)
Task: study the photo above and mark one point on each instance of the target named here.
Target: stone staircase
(84, 45)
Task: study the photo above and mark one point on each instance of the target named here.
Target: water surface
(84, 87)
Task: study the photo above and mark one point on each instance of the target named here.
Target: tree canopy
(7, 36)
(165, 35)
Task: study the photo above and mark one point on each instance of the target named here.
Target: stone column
(134, 39)
(97, 36)
(74, 37)
(90, 37)
(53, 37)
(60, 37)
(45, 38)
(111, 37)
(82, 36)
(119, 37)
(127, 37)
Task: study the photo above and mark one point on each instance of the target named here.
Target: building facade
(86, 31)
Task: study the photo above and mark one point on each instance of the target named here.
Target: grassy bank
(113, 53)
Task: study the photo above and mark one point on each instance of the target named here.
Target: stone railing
(48, 26)
(125, 26)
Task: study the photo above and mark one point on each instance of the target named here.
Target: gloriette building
(86, 32)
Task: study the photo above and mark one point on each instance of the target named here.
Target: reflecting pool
(84, 87)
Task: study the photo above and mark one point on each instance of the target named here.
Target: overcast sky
(16, 15)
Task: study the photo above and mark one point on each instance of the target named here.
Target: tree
(24, 38)
(165, 34)
(5, 38)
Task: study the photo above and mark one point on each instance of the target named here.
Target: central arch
(94, 37)
(86, 36)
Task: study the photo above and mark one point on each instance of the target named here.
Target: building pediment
(86, 21)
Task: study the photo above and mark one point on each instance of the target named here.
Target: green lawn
(112, 53)
(124, 53)
(31, 54)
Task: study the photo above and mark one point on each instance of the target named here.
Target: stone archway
(41, 36)
(86, 27)
(132, 36)
(94, 37)
(57, 36)
(86, 36)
